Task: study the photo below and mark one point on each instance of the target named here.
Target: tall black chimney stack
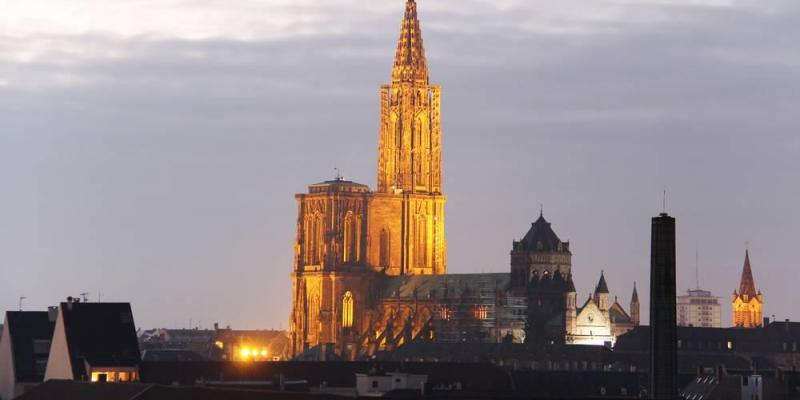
(663, 331)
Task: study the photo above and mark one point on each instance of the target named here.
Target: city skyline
(182, 207)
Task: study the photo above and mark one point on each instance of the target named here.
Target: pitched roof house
(24, 348)
(94, 341)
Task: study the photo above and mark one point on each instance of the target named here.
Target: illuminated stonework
(747, 303)
(408, 209)
(348, 236)
(370, 266)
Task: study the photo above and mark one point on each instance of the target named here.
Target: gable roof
(102, 334)
(30, 333)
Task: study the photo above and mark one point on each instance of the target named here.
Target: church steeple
(409, 62)
(410, 146)
(635, 318)
(409, 204)
(747, 302)
(747, 285)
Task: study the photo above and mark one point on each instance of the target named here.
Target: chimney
(52, 313)
(766, 321)
(663, 331)
(787, 324)
(69, 303)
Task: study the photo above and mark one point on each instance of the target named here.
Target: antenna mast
(20, 302)
(697, 268)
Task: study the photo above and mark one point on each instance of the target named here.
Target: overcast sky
(150, 150)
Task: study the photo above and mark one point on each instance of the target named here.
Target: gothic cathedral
(348, 235)
(370, 266)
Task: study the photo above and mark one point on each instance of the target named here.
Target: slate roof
(747, 285)
(443, 286)
(618, 314)
(541, 233)
(602, 286)
(101, 333)
(29, 331)
(454, 352)
(570, 284)
(475, 376)
(61, 389)
(338, 185)
(580, 384)
(164, 355)
(712, 387)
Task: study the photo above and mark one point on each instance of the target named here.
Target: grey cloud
(165, 173)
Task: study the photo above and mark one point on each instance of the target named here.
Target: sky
(150, 150)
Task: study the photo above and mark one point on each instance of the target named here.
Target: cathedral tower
(540, 253)
(747, 303)
(331, 280)
(407, 211)
(349, 238)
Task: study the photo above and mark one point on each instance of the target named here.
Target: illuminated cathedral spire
(410, 153)
(409, 62)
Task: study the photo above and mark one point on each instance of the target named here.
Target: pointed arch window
(385, 242)
(348, 237)
(347, 310)
(421, 245)
(314, 239)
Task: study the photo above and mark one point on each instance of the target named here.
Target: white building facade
(699, 308)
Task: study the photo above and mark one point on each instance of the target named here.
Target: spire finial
(409, 63)
(338, 174)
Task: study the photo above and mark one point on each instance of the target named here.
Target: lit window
(444, 313)
(730, 345)
(103, 376)
(482, 312)
(347, 310)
